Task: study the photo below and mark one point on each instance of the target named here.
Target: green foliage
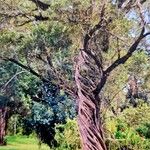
(41, 114)
(42, 40)
(116, 87)
(67, 136)
(135, 116)
(130, 129)
(56, 41)
(138, 64)
(144, 130)
(6, 37)
(14, 125)
(55, 108)
(125, 136)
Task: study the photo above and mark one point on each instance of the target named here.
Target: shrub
(67, 136)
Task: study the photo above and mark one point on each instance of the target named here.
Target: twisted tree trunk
(88, 104)
(89, 125)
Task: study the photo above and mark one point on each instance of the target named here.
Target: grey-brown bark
(3, 112)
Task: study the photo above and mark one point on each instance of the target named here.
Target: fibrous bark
(88, 103)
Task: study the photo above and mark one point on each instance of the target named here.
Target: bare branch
(124, 58)
(102, 23)
(8, 82)
(94, 29)
(119, 61)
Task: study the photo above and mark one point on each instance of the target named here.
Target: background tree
(10, 97)
(49, 108)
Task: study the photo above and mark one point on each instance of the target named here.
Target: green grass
(23, 143)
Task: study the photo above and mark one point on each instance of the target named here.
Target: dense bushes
(144, 130)
(129, 130)
(67, 136)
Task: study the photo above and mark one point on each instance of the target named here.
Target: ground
(23, 143)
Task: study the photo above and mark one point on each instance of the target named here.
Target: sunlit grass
(23, 143)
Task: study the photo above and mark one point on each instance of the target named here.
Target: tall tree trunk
(90, 127)
(3, 112)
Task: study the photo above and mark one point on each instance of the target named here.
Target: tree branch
(41, 5)
(94, 29)
(7, 83)
(124, 58)
(29, 69)
(102, 23)
(119, 61)
(62, 83)
(28, 17)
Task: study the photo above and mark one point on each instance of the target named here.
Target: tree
(10, 102)
(49, 107)
(3, 111)
(92, 69)
(9, 107)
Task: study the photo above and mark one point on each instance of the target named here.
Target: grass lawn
(23, 143)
